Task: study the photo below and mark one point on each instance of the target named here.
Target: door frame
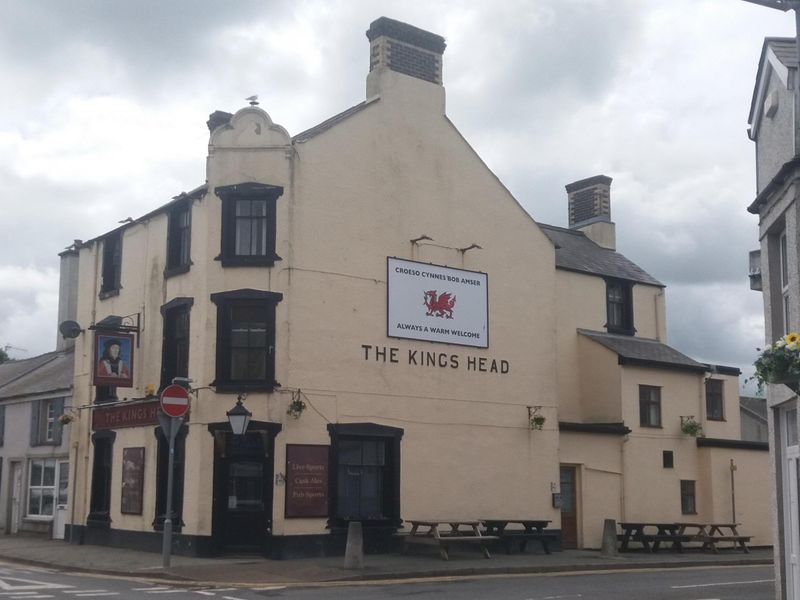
(790, 501)
(221, 432)
(576, 470)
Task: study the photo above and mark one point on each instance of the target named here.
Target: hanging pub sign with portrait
(113, 359)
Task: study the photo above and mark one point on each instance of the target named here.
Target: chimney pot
(589, 203)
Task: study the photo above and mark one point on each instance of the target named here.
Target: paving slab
(255, 570)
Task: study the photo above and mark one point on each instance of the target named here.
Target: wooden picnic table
(445, 533)
(532, 529)
(643, 533)
(710, 534)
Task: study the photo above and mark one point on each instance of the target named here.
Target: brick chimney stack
(590, 210)
(404, 60)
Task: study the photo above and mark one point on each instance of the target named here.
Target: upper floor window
(245, 339)
(112, 264)
(248, 224)
(45, 426)
(649, 406)
(619, 307)
(179, 233)
(715, 403)
(175, 343)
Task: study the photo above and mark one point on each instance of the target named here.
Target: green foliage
(296, 407)
(691, 427)
(779, 363)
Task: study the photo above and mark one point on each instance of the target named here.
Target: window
(248, 224)
(41, 487)
(715, 405)
(63, 483)
(112, 264)
(688, 504)
(365, 474)
(45, 426)
(175, 343)
(619, 307)
(162, 470)
(668, 459)
(245, 339)
(649, 406)
(179, 234)
(784, 265)
(100, 499)
(2, 424)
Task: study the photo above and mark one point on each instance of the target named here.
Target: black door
(242, 492)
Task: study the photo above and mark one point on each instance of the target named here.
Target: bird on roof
(253, 100)
(127, 220)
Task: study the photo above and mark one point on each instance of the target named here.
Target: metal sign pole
(170, 427)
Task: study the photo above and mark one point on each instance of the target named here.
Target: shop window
(248, 224)
(100, 499)
(688, 502)
(715, 404)
(112, 265)
(365, 474)
(649, 406)
(162, 470)
(245, 340)
(668, 459)
(175, 341)
(45, 426)
(619, 307)
(41, 487)
(179, 235)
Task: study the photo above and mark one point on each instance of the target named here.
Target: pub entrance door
(569, 508)
(242, 504)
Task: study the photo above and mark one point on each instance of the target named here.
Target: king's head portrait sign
(113, 359)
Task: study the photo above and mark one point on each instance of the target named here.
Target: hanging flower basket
(296, 408)
(537, 422)
(691, 427)
(780, 363)
(65, 419)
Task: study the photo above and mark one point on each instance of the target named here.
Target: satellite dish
(69, 329)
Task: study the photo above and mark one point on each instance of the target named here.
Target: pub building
(409, 343)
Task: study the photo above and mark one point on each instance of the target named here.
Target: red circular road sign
(175, 400)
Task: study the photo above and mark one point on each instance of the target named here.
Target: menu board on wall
(306, 480)
(132, 480)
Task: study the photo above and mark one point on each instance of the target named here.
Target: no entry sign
(175, 401)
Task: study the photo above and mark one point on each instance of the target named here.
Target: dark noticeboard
(132, 480)
(306, 480)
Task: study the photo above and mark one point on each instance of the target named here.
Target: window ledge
(108, 293)
(620, 330)
(651, 426)
(248, 261)
(719, 420)
(37, 518)
(231, 387)
(179, 270)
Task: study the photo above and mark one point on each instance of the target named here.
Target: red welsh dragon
(439, 306)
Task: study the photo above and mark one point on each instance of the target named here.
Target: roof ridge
(33, 368)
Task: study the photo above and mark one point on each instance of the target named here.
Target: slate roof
(576, 252)
(784, 49)
(47, 373)
(644, 351)
(755, 407)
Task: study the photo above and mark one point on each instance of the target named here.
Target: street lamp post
(239, 416)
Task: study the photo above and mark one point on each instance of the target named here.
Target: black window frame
(179, 239)
(111, 270)
(102, 472)
(619, 292)
(715, 399)
(391, 436)
(645, 402)
(176, 315)
(226, 303)
(688, 497)
(231, 196)
(668, 459)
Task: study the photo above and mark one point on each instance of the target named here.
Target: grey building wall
(774, 144)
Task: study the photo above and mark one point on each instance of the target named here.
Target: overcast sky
(105, 102)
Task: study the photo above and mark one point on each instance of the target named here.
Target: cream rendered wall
(600, 379)
(415, 176)
(649, 312)
(731, 427)
(600, 486)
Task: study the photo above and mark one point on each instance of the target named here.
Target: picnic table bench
(437, 533)
(669, 533)
(710, 534)
(532, 529)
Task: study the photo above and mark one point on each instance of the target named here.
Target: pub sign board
(437, 304)
(306, 480)
(113, 359)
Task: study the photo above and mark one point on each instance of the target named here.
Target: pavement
(422, 563)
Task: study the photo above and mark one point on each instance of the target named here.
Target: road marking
(36, 596)
(268, 588)
(32, 584)
(232, 598)
(167, 591)
(150, 589)
(204, 592)
(700, 585)
(16, 593)
(86, 595)
(82, 591)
